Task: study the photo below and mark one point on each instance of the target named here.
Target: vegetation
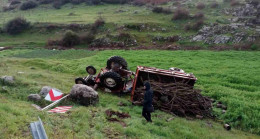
(70, 39)
(16, 25)
(28, 5)
(180, 14)
(230, 77)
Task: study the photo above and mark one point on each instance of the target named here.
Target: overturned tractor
(173, 89)
(113, 78)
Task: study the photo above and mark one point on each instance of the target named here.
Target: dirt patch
(115, 116)
(178, 98)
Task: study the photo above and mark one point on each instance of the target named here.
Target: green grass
(231, 77)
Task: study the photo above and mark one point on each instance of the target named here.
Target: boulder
(34, 97)
(198, 38)
(84, 95)
(46, 89)
(7, 79)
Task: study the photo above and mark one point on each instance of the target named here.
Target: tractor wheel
(117, 59)
(80, 81)
(111, 80)
(91, 70)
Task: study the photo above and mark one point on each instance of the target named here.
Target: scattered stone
(2, 48)
(198, 38)
(7, 79)
(84, 95)
(224, 111)
(20, 72)
(227, 127)
(221, 39)
(219, 105)
(224, 107)
(4, 89)
(199, 117)
(46, 89)
(34, 97)
(170, 119)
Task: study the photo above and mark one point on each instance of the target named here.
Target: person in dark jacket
(147, 104)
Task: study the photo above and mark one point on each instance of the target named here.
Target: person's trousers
(147, 115)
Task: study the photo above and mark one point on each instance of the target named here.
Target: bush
(87, 38)
(181, 13)
(161, 10)
(98, 23)
(95, 2)
(124, 36)
(214, 5)
(70, 39)
(187, 27)
(9, 8)
(200, 6)
(45, 1)
(58, 3)
(16, 25)
(199, 15)
(28, 5)
(198, 25)
(255, 2)
(14, 2)
(255, 47)
(115, 1)
(76, 1)
(234, 3)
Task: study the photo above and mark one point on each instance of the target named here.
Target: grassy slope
(231, 77)
(83, 14)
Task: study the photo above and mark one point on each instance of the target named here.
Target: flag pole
(54, 103)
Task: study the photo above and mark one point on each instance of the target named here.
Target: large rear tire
(117, 59)
(111, 80)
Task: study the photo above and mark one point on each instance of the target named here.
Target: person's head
(115, 66)
(147, 86)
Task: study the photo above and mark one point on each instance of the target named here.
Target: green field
(231, 77)
(84, 14)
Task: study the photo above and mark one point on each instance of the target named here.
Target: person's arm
(145, 99)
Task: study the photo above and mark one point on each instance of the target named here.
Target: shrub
(161, 10)
(45, 1)
(95, 2)
(98, 23)
(199, 15)
(181, 13)
(16, 25)
(115, 1)
(76, 1)
(28, 5)
(234, 3)
(138, 3)
(214, 5)
(9, 8)
(124, 36)
(14, 2)
(187, 27)
(70, 39)
(87, 38)
(200, 6)
(255, 2)
(198, 25)
(58, 3)
(255, 47)
(53, 43)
